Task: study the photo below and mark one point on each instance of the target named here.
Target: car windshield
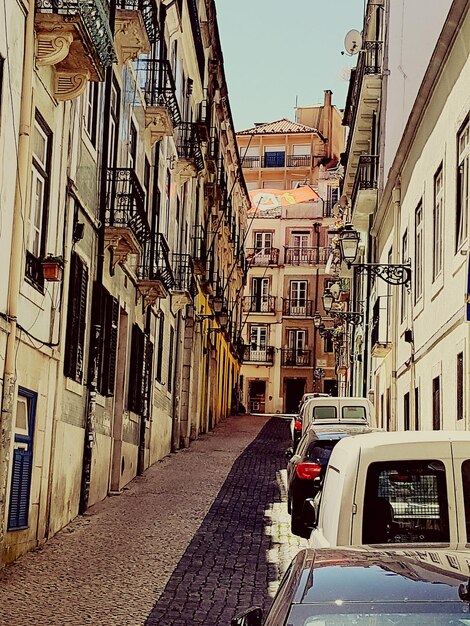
(358, 614)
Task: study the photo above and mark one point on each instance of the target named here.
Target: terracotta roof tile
(280, 127)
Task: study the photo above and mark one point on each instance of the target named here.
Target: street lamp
(327, 299)
(391, 273)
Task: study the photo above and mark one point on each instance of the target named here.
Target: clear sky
(277, 52)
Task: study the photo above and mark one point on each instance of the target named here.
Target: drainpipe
(316, 226)
(16, 262)
(396, 200)
(96, 329)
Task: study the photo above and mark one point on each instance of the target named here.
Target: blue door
(22, 464)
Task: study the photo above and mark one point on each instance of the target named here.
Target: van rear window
(354, 413)
(405, 502)
(466, 494)
(324, 413)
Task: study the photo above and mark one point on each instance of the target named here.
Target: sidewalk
(112, 565)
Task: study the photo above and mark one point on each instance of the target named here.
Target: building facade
(406, 177)
(288, 249)
(123, 221)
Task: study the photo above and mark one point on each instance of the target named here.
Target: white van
(338, 410)
(395, 487)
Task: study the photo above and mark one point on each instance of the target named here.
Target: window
(463, 174)
(274, 156)
(91, 102)
(405, 502)
(161, 336)
(419, 251)
(353, 413)
(438, 208)
(300, 239)
(258, 342)
(460, 386)
(466, 494)
(406, 411)
(404, 259)
(22, 461)
(416, 408)
(298, 294)
(324, 413)
(328, 344)
(263, 241)
(76, 319)
(106, 361)
(436, 403)
(135, 393)
(37, 219)
(260, 295)
(170, 358)
(113, 124)
(132, 155)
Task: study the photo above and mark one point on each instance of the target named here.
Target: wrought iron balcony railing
(199, 248)
(156, 81)
(258, 354)
(188, 144)
(297, 307)
(277, 160)
(156, 262)
(125, 203)
(292, 357)
(197, 35)
(262, 256)
(183, 271)
(94, 16)
(367, 174)
(305, 255)
(149, 13)
(259, 304)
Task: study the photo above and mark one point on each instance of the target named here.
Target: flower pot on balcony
(52, 269)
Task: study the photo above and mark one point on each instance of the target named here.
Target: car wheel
(297, 524)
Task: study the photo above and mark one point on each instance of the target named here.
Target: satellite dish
(353, 42)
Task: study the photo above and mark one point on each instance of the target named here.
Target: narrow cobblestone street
(203, 534)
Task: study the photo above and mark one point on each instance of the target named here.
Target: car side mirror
(250, 617)
(309, 513)
(289, 453)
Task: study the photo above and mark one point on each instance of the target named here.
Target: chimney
(327, 119)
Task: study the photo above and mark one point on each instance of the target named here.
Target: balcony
(259, 257)
(277, 159)
(212, 151)
(305, 256)
(136, 28)
(127, 229)
(364, 193)
(199, 249)
(380, 336)
(154, 276)
(363, 103)
(188, 145)
(75, 38)
(185, 287)
(292, 357)
(259, 304)
(258, 354)
(297, 307)
(162, 113)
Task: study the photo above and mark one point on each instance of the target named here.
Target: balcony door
(258, 342)
(275, 156)
(299, 243)
(296, 343)
(260, 293)
(263, 246)
(298, 297)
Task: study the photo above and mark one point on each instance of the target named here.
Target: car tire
(297, 524)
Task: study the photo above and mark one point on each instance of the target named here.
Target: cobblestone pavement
(203, 534)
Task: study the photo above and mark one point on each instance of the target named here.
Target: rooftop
(282, 126)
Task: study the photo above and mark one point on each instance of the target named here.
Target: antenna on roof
(352, 43)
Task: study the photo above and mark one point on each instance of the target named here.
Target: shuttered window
(22, 460)
(106, 358)
(161, 330)
(76, 319)
(170, 359)
(136, 389)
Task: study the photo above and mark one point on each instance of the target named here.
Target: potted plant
(52, 267)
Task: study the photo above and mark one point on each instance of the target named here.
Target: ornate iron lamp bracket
(393, 274)
(350, 317)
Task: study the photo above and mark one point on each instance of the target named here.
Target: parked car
(297, 423)
(392, 488)
(338, 410)
(306, 469)
(364, 586)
